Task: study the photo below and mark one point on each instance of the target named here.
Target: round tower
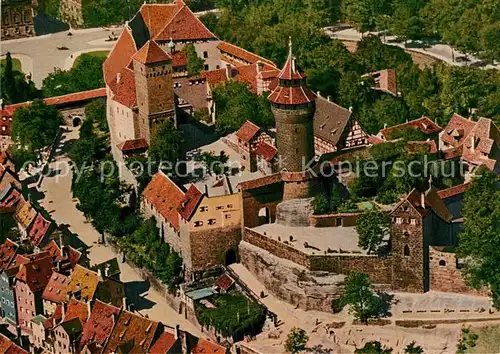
(293, 107)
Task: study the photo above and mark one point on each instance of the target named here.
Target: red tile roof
(54, 250)
(5, 343)
(206, 347)
(260, 182)
(36, 274)
(9, 202)
(184, 26)
(54, 291)
(432, 201)
(132, 145)
(251, 74)
(134, 332)
(457, 130)
(268, 152)
(291, 95)
(372, 139)
(76, 97)
(482, 145)
(151, 53)
(247, 131)
(100, 324)
(8, 251)
(155, 16)
(214, 77)
(424, 124)
(39, 229)
(77, 309)
(453, 191)
(242, 54)
(119, 57)
(385, 80)
(124, 88)
(15, 349)
(224, 282)
(165, 196)
(179, 58)
(290, 70)
(163, 344)
(190, 202)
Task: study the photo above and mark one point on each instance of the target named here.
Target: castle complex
(264, 217)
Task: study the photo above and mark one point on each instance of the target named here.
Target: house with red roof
(8, 252)
(29, 285)
(40, 230)
(423, 124)
(9, 347)
(477, 142)
(384, 80)
(67, 334)
(97, 329)
(54, 294)
(203, 228)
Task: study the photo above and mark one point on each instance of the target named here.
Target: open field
(488, 341)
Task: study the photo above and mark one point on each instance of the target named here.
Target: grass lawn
(97, 53)
(488, 341)
(16, 64)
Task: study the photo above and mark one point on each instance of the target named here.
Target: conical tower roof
(292, 89)
(151, 53)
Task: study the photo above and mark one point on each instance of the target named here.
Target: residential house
(335, 129)
(384, 80)
(423, 124)
(24, 216)
(9, 301)
(255, 146)
(65, 258)
(29, 284)
(97, 329)
(9, 347)
(477, 142)
(54, 293)
(205, 346)
(67, 334)
(40, 230)
(132, 334)
(9, 196)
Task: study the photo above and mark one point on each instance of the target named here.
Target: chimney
(2, 103)
(89, 308)
(318, 94)
(63, 308)
(228, 71)
(125, 303)
(350, 109)
(118, 76)
(329, 98)
(260, 66)
(99, 273)
(58, 266)
(422, 200)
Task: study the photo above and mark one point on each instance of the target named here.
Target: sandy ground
(58, 202)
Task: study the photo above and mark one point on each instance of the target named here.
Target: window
(211, 221)
(406, 234)
(204, 208)
(205, 54)
(229, 206)
(206, 67)
(399, 220)
(219, 207)
(413, 221)
(198, 223)
(406, 251)
(228, 216)
(442, 263)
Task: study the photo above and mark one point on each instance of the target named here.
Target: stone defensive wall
(380, 269)
(334, 220)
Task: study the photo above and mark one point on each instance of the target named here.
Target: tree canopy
(363, 303)
(296, 340)
(15, 87)
(373, 347)
(479, 243)
(166, 143)
(36, 125)
(194, 63)
(85, 75)
(372, 227)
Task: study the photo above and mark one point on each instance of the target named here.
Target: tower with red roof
(293, 106)
(154, 87)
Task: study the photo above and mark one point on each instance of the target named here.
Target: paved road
(58, 202)
(41, 55)
(440, 51)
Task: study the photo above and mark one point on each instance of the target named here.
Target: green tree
(372, 227)
(194, 63)
(35, 126)
(335, 198)
(215, 164)
(320, 204)
(15, 87)
(166, 144)
(479, 243)
(374, 55)
(296, 340)
(413, 348)
(85, 75)
(373, 347)
(95, 111)
(363, 303)
(236, 104)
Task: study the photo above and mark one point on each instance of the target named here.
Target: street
(57, 201)
(39, 55)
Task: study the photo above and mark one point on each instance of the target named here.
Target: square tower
(154, 88)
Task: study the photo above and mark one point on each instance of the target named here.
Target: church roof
(151, 53)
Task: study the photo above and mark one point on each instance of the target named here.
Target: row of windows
(210, 222)
(410, 221)
(8, 302)
(219, 207)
